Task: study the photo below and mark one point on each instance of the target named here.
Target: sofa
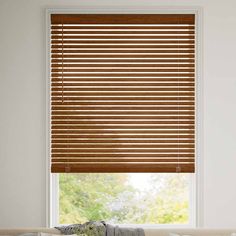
(148, 231)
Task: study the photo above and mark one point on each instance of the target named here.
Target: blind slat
(130, 41)
(124, 167)
(59, 65)
(117, 27)
(123, 46)
(79, 32)
(116, 136)
(130, 81)
(122, 19)
(123, 155)
(127, 122)
(61, 141)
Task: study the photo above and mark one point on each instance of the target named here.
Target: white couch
(148, 232)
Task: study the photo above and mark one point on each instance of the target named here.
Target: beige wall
(23, 98)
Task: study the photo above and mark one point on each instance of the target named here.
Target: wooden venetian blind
(122, 93)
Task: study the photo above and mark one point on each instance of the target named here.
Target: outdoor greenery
(113, 198)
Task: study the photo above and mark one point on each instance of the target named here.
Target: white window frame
(196, 180)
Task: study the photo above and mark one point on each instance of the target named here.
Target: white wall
(23, 98)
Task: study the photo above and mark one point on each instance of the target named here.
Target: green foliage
(112, 198)
(169, 203)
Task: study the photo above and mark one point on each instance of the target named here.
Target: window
(125, 198)
(123, 102)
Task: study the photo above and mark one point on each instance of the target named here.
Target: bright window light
(136, 198)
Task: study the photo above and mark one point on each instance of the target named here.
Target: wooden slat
(54, 65)
(147, 90)
(120, 146)
(124, 86)
(116, 81)
(122, 55)
(131, 90)
(76, 117)
(121, 149)
(120, 37)
(131, 41)
(121, 51)
(132, 60)
(110, 131)
(166, 98)
(120, 168)
(120, 98)
(110, 70)
(89, 160)
(79, 108)
(146, 127)
(134, 103)
(121, 112)
(123, 19)
(112, 46)
(140, 94)
(79, 32)
(115, 90)
(113, 136)
(149, 141)
(122, 155)
(118, 27)
(128, 122)
(140, 74)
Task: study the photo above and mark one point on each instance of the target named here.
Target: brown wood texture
(135, 141)
(121, 168)
(123, 19)
(118, 27)
(123, 155)
(122, 93)
(79, 32)
(115, 103)
(123, 46)
(127, 122)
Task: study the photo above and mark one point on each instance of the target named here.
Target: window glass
(124, 198)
